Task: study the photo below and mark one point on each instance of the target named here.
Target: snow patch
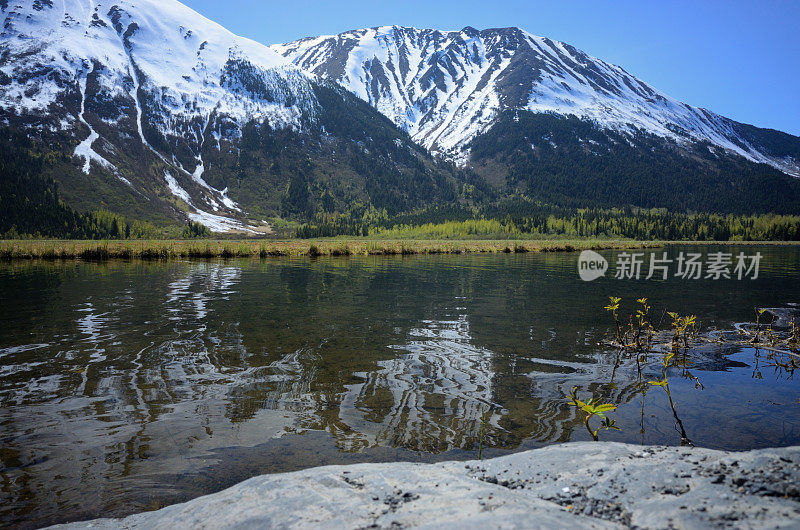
(218, 223)
(84, 149)
(214, 222)
(176, 189)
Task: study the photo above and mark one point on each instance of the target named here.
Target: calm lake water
(128, 386)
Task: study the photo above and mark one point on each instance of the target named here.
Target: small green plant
(644, 389)
(666, 361)
(638, 335)
(613, 307)
(643, 336)
(639, 339)
(592, 408)
(794, 335)
(685, 328)
(759, 312)
(772, 337)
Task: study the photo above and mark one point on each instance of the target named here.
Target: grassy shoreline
(205, 249)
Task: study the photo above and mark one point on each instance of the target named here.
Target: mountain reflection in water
(126, 386)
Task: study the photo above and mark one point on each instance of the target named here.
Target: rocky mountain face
(161, 113)
(148, 109)
(447, 88)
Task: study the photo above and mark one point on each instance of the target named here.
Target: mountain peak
(162, 109)
(445, 90)
(159, 72)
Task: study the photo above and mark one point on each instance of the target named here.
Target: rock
(757, 489)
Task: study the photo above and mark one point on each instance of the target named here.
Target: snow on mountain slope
(157, 64)
(153, 101)
(445, 88)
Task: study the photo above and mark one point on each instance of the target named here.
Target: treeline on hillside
(571, 162)
(348, 155)
(30, 206)
(543, 221)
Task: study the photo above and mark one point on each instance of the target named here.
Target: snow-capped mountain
(151, 72)
(446, 88)
(149, 110)
(163, 114)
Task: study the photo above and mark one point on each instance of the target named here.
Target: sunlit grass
(170, 249)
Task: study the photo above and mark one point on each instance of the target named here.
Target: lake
(127, 386)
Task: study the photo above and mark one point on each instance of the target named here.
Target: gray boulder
(575, 485)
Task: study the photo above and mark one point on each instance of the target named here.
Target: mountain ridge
(462, 80)
(151, 100)
(148, 109)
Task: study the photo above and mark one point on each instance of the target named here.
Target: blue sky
(737, 58)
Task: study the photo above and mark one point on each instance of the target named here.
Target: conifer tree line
(512, 219)
(30, 207)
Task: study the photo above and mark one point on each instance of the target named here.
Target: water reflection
(430, 396)
(125, 385)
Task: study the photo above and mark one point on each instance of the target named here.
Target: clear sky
(738, 58)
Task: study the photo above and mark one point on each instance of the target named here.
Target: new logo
(591, 265)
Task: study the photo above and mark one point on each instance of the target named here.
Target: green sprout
(684, 328)
(643, 326)
(666, 361)
(794, 336)
(592, 408)
(759, 312)
(613, 307)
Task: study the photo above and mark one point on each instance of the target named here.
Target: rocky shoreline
(574, 485)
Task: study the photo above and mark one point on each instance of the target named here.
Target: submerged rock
(575, 485)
